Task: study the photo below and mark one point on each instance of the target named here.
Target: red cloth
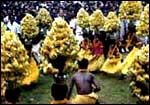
(97, 48)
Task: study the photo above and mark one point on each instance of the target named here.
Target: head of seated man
(83, 64)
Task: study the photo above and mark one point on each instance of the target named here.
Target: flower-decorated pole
(29, 28)
(112, 22)
(142, 29)
(14, 62)
(139, 72)
(83, 20)
(60, 41)
(130, 10)
(96, 20)
(112, 25)
(44, 20)
(44, 17)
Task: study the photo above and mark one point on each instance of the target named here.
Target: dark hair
(83, 64)
(59, 62)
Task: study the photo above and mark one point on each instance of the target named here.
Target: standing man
(86, 85)
(13, 26)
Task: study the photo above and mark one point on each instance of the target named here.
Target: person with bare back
(86, 85)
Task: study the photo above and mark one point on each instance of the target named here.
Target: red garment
(97, 48)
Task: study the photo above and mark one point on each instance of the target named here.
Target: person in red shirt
(97, 47)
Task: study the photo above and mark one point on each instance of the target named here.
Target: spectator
(13, 26)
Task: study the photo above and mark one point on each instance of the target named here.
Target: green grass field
(113, 91)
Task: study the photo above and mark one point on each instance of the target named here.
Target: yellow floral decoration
(112, 22)
(96, 20)
(83, 18)
(59, 41)
(29, 27)
(142, 28)
(44, 17)
(130, 10)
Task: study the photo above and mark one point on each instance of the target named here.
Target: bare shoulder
(90, 74)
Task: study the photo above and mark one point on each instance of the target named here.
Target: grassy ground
(113, 91)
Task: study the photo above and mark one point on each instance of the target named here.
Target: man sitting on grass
(86, 85)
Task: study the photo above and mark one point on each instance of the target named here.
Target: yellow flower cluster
(29, 27)
(44, 17)
(145, 14)
(83, 18)
(96, 20)
(130, 10)
(14, 58)
(61, 29)
(3, 28)
(143, 27)
(143, 54)
(59, 41)
(71, 65)
(112, 22)
(140, 75)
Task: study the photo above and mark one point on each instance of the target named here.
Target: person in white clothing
(13, 26)
(123, 32)
(77, 30)
(79, 33)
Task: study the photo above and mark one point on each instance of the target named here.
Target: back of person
(86, 85)
(83, 78)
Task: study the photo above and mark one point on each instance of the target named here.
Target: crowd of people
(68, 9)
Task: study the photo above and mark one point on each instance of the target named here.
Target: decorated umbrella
(142, 28)
(130, 10)
(139, 71)
(83, 21)
(14, 65)
(44, 21)
(96, 21)
(29, 29)
(59, 41)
